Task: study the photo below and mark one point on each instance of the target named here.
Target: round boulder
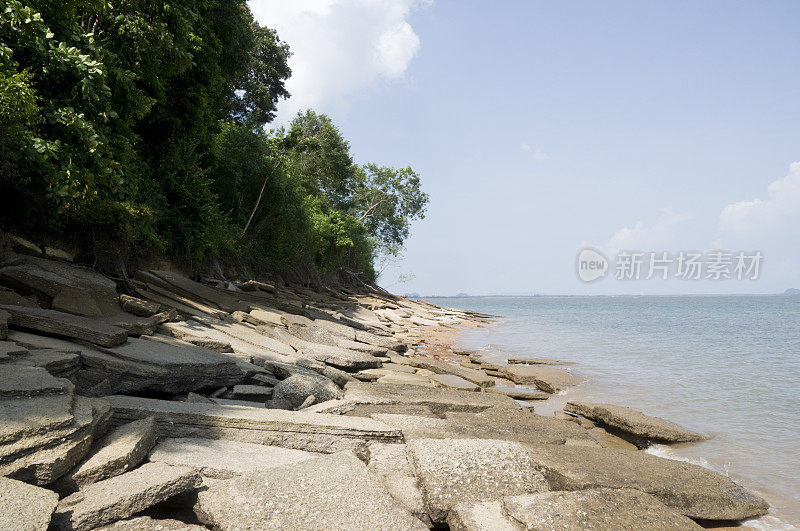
(292, 392)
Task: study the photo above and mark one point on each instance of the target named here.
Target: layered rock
(24, 506)
(634, 423)
(303, 431)
(123, 496)
(91, 330)
(548, 379)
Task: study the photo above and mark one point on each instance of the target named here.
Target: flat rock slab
(401, 378)
(437, 399)
(548, 379)
(481, 516)
(21, 381)
(65, 325)
(223, 459)
(389, 462)
(607, 509)
(57, 363)
(330, 492)
(11, 350)
(692, 490)
(196, 291)
(24, 506)
(289, 429)
(123, 496)
(633, 422)
(471, 470)
(519, 393)
(145, 523)
(537, 361)
(454, 382)
(442, 367)
(119, 451)
(507, 425)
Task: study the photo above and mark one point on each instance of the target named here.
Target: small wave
(662, 450)
(769, 523)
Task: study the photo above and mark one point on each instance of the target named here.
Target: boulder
(65, 325)
(437, 399)
(634, 423)
(119, 451)
(24, 506)
(442, 367)
(471, 470)
(294, 390)
(303, 431)
(123, 496)
(548, 379)
(607, 509)
(330, 492)
(139, 307)
(691, 490)
(218, 458)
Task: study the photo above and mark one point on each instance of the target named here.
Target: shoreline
(230, 404)
(583, 390)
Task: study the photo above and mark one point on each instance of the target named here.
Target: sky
(543, 128)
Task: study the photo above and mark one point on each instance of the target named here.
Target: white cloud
(659, 236)
(538, 154)
(780, 210)
(340, 48)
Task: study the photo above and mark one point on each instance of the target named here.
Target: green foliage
(143, 123)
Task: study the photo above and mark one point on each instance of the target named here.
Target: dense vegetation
(141, 128)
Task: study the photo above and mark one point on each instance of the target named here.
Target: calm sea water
(726, 366)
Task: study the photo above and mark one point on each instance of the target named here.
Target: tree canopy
(140, 127)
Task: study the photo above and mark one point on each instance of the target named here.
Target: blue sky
(540, 128)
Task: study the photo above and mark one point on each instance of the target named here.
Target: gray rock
(337, 356)
(471, 470)
(633, 422)
(253, 393)
(25, 507)
(689, 489)
(5, 317)
(548, 379)
(195, 291)
(454, 382)
(380, 341)
(56, 362)
(10, 350)
(536, 361)
(223, 459)
(211, 344)
(293, 391)
(139, 307)
(481, 516)
(123, 496)
(331, 492)
(119, 451)
(518, 393)
(303, 431)
(46, 429)
(389, 463)
(145, 523)
(163, 365)
(65, 325)
(437, 399)
(607, 509)
(400, 378)
(442, 367)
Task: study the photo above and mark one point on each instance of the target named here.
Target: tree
(386, 200)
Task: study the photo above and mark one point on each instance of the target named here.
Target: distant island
(792, 291)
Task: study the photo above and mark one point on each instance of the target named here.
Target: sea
(727, 366)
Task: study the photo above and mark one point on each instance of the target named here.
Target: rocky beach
(162, 402)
